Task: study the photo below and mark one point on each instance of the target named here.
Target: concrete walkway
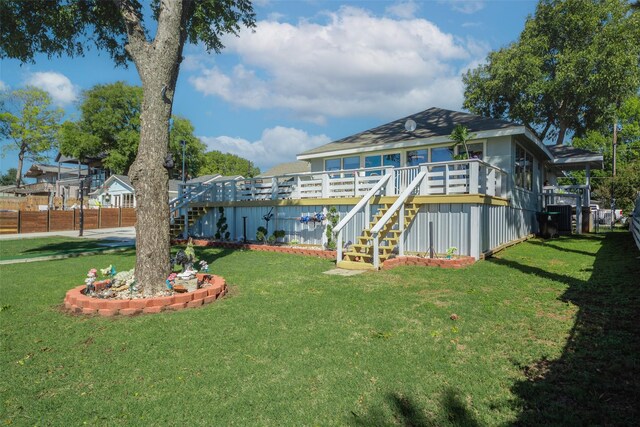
(115, 240)
(122, 234)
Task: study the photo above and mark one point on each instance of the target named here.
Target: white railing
(442, 178)
(398, 204)
(565, 194)
(379, 187)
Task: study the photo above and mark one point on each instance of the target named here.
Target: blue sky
(312, 72)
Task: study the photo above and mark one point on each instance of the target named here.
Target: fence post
(48, 219)
(99, 217)
(19, 221)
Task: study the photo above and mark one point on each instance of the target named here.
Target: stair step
(358, 254)
(353, 265)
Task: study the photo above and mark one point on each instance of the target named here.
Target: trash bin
(548, 222)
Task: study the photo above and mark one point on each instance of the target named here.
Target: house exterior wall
(454, 225)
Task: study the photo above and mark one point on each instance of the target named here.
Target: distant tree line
(108, 128)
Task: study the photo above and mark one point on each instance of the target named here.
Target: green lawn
(547, 334)
(45, 246)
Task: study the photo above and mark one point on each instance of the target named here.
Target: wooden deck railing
(441, 178)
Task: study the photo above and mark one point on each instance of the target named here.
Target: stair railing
(363, 203)
(398, 204)
(184, 200)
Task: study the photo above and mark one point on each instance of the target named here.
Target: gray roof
(567, 157)
(567, 151)
(430, 123)
(299, 166)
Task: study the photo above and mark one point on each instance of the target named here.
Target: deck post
(402, 233)
(474, 231)
(490, 180)
(446, 179)
(424, 185)
(376, 251)
(339, 247)
(474, 171)
(274, 188)
(391, 184)
(325, 185)
(234, 188)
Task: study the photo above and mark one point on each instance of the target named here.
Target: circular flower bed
(76, 301)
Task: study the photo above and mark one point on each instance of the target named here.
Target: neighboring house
(52, 180)
(117, 192)
(399, 187)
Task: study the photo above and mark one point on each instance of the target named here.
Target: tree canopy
(123, 28)
(573, 64)
(109, 127)
(28, 119)
(227, 164)
(626, 184)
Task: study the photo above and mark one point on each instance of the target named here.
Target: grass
(45, 246)
(547, 334)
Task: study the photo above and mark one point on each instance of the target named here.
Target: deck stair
(194, 213)
(360, 255)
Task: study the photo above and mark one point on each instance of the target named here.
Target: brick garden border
(457, 262)
(77, 302)
(326, 254)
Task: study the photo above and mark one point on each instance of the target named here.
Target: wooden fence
(32, 222)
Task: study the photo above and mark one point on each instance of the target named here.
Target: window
(475, 150)
(373, 162)
(415, 157)
(350, 163)
(391, 160)
(332, 165)
(523, 170)
(441, 154)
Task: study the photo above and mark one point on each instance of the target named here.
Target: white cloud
(466, 6)
(3, 86)
(276, 145)
(60, 88)
(403, 9)
(354, 64)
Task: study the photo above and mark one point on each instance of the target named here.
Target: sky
(312, 72)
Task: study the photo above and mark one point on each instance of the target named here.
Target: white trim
(519, 130)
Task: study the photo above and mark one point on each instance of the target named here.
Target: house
(402, 188)
(117, 192)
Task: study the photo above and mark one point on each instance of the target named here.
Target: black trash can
(548, 222)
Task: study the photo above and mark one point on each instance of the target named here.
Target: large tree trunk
(561, 134)
(158, 65)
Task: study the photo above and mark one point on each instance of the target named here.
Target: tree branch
(137, 44)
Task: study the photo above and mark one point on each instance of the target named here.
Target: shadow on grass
(77, 246)
(551, 244)
(595, 381)
(405, 412)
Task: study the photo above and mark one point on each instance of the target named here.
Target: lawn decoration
(91, 278)
(204, 267)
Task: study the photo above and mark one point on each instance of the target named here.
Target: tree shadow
(595, 381)
(404, 411)
(74, 246)
(551, 244)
